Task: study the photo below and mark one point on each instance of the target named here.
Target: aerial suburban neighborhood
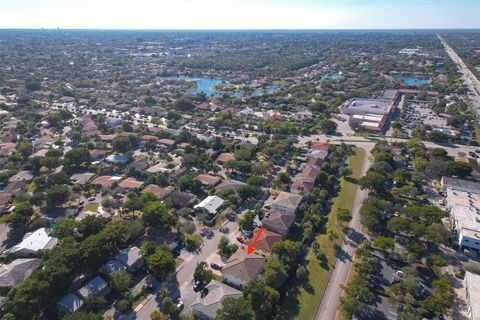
(237, 175)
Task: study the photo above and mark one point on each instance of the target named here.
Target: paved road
(184, 274)
(369, 143)
(328, 307)
(468, 77)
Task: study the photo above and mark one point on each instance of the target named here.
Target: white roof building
(466, 222)
(34, 241)
(211, 204)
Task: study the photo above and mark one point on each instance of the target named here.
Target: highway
(469, 78)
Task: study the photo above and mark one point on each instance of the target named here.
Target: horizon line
(239, 29)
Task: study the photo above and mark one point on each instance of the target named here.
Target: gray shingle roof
(14, 273)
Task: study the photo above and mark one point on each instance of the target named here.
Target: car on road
(215, 266)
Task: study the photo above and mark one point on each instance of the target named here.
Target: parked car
(240, 239)
(400, 273)
(180, 305)
(197, 286)
(224, 230)
(215, 266)
(91, 199)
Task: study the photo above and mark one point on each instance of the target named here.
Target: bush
(124, 306)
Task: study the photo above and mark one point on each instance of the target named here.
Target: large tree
(161, 263)
(235, 309)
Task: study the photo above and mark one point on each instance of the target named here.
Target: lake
(206, 85)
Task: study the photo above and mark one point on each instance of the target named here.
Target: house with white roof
(211, 204)
(34, 241)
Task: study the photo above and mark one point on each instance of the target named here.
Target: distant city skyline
(240, 14)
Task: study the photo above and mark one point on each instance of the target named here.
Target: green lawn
(302, 299)
(91, 207)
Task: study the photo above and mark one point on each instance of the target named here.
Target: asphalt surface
(469, 78)
(328, 307)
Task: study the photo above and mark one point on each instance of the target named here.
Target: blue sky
(240, 14)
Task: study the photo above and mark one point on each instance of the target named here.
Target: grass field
(303, 298)
(91, 207)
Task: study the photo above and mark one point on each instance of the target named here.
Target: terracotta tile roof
(319, 146)
(130, 183)
(266, 240)
(225, 157)
(243, 266)
(160, 192)
(209, 180)
(104, 181)
(278, 221)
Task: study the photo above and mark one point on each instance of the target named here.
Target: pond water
(414, 81)
(206, 85)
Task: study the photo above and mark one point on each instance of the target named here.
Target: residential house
(97, 286)
(140, 163)
(32, 242)
(208, 180)
(15, 272)
(21, 176)
(306, 180)
(160, 192)
(287, 202)
(242, 267)
(81, 178)
(182, 199)
(161, 236)
(210, 299)
(278, 221)
(116, 158)
(70, 303)
(230, 185)
(98, 155)
(265, 240)
(112, 266)
(319, 150)
(225, 157)
(130, 183)
(210, 204)
(105, 181)
(166, 143)
(131, 258)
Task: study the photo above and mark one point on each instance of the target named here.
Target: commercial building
(472, 286)
(361, 106)
(460, 185)
(466, 223)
